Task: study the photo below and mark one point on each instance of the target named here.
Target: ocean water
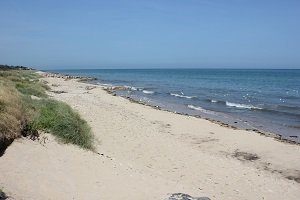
(267, 100)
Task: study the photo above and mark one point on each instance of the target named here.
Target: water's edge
(116, 90)
(113, 91)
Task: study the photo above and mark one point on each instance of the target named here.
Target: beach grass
(59, 119)
(26, 82)
(19, 111)
(31, 89)
(10, 115)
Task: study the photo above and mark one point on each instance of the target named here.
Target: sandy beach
(145, 153)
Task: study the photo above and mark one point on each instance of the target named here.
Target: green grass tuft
(31, 89)
(19, 110)
(59, 119)
(26, 82)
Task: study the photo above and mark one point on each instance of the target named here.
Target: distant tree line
(10, 67)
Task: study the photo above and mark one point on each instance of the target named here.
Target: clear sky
(150, 33)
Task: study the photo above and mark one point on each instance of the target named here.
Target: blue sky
(150, 33)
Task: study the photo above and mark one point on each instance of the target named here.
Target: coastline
(250, 108)
(146, 153)
(219, 122)
(221, 119)
(114, 89)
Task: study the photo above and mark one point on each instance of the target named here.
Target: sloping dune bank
(144, 153)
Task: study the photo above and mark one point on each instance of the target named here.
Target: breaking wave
(242, 106)
(148, 92)
(198, 108)
(182, 96)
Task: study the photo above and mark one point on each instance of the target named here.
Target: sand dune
(144, 153)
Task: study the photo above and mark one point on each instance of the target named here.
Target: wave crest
(243, 106)
(182, 96)
(198, 108)
(148, 92)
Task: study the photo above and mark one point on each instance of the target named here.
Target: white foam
(243, 106)
(213, 101)
(148, 92)
(144, 99)
(104, 84)
(130, 88)
(181, 95)
(200, 109)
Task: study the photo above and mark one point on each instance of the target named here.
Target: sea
(264, 99)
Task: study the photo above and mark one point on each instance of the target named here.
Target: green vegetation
(20, 113)
(11, 113)
(63, 122)
(31, 89)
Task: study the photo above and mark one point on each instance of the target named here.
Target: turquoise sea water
(267, 100)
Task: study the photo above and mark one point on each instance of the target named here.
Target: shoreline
(111, 92)
(218, 122)
(146, 153)
(114, 88)
(232, 123)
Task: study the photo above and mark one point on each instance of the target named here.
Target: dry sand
(146, 153)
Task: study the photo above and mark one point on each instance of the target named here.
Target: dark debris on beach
(182, 196)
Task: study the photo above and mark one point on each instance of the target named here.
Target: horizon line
(177, 68)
